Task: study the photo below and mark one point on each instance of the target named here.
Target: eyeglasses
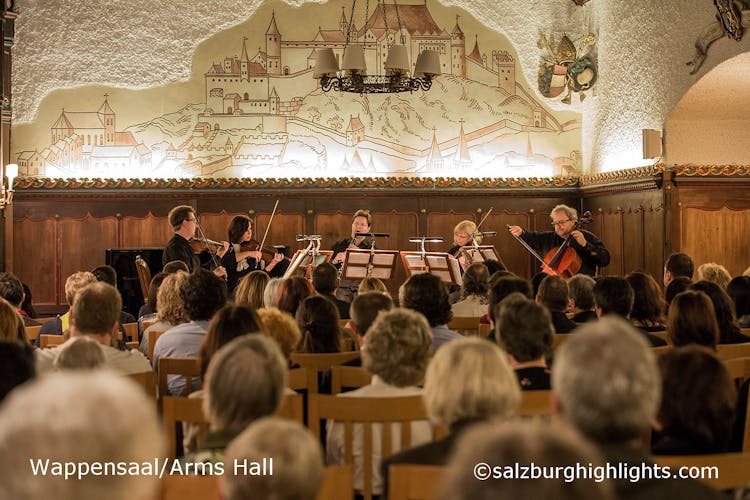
(560, 223)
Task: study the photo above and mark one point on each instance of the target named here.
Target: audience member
(95, 313)
(365, 308)
(170, 308)
(553, 294)
(524, 329)
(715, 273)
(11, 289)
(16, 365)
(78, 418)
(250, 289)
(60, 324)
(296, 456)
(271, 291)
(729, 330)
(649, 306)
(282, 328)
(677, 265)
(372, 284)
(473, 294)
(581, 291)
(614, 296)
(536, 281)
(698, 403)
(80, 353)
(229, 322)
(11, 324)
(500, 288)
(175, 265)
(606, 384)
(147, 311)
(494, 266)
(292, 292)
(557, 449)
(203, 293)
(739, 291)
(108, 275)
(396, 352)
(426, 294)
(325, 279)
(675, 287)
(318, 321)
(692, 320)
(27, 305)
(468, 381)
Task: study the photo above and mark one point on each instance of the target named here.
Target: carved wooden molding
(712, 170)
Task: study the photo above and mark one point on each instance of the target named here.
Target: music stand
(361, 263)
(480, 253)
(441, 264)
(309, 258)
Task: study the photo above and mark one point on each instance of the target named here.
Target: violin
(267, 253)
(199, 245)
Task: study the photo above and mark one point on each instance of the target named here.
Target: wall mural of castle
(252, 109)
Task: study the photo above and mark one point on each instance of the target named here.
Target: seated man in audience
(297, 462)
(677, 265)
(581, 291)
(11, 289)
(80, 353)
(523, 328)
(606, 384)
(95, 313)
(245, 381)
(426, 294)
(60, 324)
(499, 289)
(614, 296)
(108, 274)
(553, 294)
(365, 308)
(555, 447)
(16, 366)
(396, 351)
(78, 419)
(203, 294)
(325, 280)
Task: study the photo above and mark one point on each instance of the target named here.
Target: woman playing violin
(241, 258)
(586, 245)
(462, 237)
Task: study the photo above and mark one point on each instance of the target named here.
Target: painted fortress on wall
(263, 115)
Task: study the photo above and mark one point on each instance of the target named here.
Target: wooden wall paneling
(215, 225)
(332, 227)
(35, 257)
(81, 244)
(144, 232)
(513, 254)
(442, 224)
(611, 233)
(284, 228)
(717, 236)
(633, 257)
(401, 226)
(653, 241)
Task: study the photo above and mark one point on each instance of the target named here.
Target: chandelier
(352, 75)
(6, 194)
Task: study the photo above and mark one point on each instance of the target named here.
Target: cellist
(589, 248)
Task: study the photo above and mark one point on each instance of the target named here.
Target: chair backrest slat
(153, 335)
(46, 340)
(338, 483)
(190, 368)
(729, 351)
(348, 376)
(414, 482)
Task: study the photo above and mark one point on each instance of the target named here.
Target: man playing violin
(361, 223)
(589, 248)
(240, 260)
(184, 222)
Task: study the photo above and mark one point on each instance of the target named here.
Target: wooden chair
(32, 332)
(723, 471)
(366, 412)
(466, 325)
(131, 331)
(152, 337)
(190, 368)
(144, 275)
(322, 362)
(190, 487)
(729, 351)
(739, 371)
(46, 340)
(338, 483)
(349, 335)
(132, 345)
(145, 324)
(302, 379)
(44, 319)
(535, 405)
(175, 410)
(744, 331)
(414, 482)
(343, 323)
(484, 330)
(659, 350)
(559, 338)
(348, 376)
(147, 380)
(662, 334)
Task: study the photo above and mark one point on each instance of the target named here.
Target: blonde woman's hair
(372, 284)
(11, 324)
(715, 273)
(169, 304)
(75, 282)
(469, 227)
(250, 289)
(281, 327)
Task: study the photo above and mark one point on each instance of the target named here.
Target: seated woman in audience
(729, 330)
(292, 292)
(147, 313)
(395, 351)
(649, 306)
(61, 324)
(698, 403)
(81, 353)
(468, 381)
(230, 322)
(715, 273)
(474, 288)
(372, 284)
(676, 286)
(271, 291)
(250, 289)
(282, 328)
(169, 306)
(318, 320)
(11, 324)
(739, 291)
(692, 320)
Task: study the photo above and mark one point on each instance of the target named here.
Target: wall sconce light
(652, 145)
(6, 194)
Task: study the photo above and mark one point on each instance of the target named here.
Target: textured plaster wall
(709, 142)
(642, 49)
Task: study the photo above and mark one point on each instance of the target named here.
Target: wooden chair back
(175, 410)
(559, 338)
(662, 334)
(535, 405)
(147, 323)
(337, 483)
(44, 319)
(131, 331)
(348, 376)
(414, 482)
(144, 275)
(46, 340)
(484, 330)
(466, 325)
(659, 350)
(723, 471)
(292, 407)
(322, 362)
(147, 380)
(343, 323)
(302, 379)
(189, 487)
(729, 351)
(190, 368)
(132, 345)
(153, 336)
(739, 370)
(351, 339)
(366, 412)
(32, 332)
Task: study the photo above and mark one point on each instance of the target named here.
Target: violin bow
(205, 242)
(534, 253)
(262, 243)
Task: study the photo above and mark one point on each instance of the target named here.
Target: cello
(562, 260)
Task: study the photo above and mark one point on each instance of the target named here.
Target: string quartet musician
(462, 238)
(589, 247)
(361, 223)
(239, 262)
(184, 222)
